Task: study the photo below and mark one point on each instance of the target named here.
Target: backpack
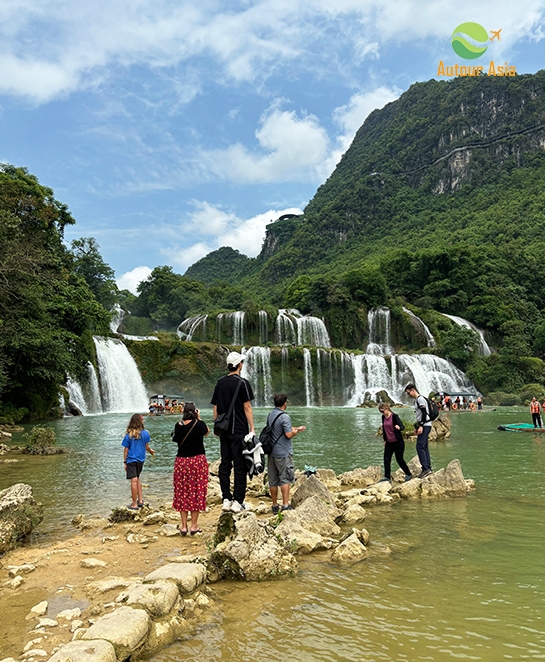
(266, 436)
(432, 409)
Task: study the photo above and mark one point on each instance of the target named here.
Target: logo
(471, 50)
(463, 47)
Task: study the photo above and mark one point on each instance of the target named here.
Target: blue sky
(173, 128)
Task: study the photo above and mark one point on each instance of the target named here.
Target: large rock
(350, 551)
(354, 514)
(19, 514)
(409, 490)
(440, 429)
(329, 479)
(85, 651)
(102, 586)
(311, 486)
(297, 539)
(125, 628)
(253, 551)
(157, 599)
(187, 576)
(451, 479)
(361, 477)
(163, 633)
(316, 516)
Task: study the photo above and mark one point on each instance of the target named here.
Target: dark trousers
(397, 447)
(536, 418)
(422, 448)
(231, 457)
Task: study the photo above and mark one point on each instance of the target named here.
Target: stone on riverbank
(125, 628)
(19, 514)
(86, 651)
(316, 516)
(157, 598)
(187, 576)
(361, 477)
(350, 551)
(253, 551)
(298, 539)
(311, 486)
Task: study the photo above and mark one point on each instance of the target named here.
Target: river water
(465, 580)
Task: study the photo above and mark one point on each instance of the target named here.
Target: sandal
(194, 533)
(141, 504)
(131, 507)
(183, 532)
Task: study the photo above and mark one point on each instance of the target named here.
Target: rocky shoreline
(129, 585)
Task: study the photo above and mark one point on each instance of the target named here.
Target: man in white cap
(241, 422)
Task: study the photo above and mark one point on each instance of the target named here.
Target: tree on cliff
(98, 275)
(47, 311)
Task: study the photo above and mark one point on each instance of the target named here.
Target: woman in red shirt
(393, 441)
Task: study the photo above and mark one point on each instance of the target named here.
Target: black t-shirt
(223, 394)
(193, 443)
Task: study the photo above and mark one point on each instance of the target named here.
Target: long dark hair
(190, 413)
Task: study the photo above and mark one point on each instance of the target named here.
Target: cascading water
(188, 328)
(378, 320)
(293, 328)
(122, 387)
(75, 395)
(430, 340)
(257, 370)
(484, 348)
(118, 315)
(263, 327)
(92, 391)
(236, 323)
(309, 381)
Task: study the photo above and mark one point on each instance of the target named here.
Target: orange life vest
(534, 407)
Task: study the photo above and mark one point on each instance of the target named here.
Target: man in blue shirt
(280, 464)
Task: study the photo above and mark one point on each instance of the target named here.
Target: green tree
(98, 275)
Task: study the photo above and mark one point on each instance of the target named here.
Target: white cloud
(291, 147)
(244, 235)
(53, 47)
(131, 279)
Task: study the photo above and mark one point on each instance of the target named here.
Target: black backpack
(266, 436)
(432, 409)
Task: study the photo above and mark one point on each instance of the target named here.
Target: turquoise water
(465, 580)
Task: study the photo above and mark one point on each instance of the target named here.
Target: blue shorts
(134, 469)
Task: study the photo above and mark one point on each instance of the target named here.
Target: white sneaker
(237, 507)
(226, 505)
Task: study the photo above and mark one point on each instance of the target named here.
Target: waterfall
(484, 348)
(75, 395)
(285, 328)
(118, 314)
(373, 373)
(285, 359)
(257, 370)
(294, 328)
(430, 340)
(237, 328)
(121, 385)
(263, 327)
(92, 391)
(378, 320)
(188, 328)
(309, 386)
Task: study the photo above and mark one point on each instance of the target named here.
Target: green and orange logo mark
(470, 50)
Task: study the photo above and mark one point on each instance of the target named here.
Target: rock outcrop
(19, 514)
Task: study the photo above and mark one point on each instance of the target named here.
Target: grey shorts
(281, 471)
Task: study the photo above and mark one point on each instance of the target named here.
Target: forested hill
(449, 163)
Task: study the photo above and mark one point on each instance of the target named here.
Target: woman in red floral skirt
(190, 468)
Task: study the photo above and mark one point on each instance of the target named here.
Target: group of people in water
(169, 407)
(447, 403)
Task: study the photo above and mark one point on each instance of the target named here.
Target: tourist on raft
(135, 444)
(190, 468)
(535, 410)
(392, 427)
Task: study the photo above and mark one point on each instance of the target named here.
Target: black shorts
(134, 469)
